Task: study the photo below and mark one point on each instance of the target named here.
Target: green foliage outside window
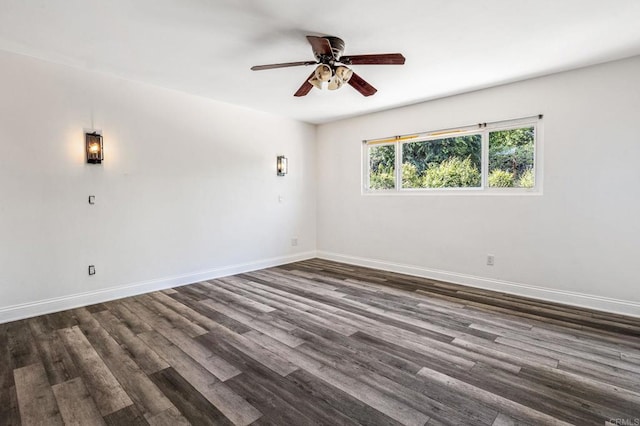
(453, 173)
(442, 163)
(424, 154)
(382, 163)
(527, 179)
(501, 179)
(511, 152)
(383, 179)
(410, 176)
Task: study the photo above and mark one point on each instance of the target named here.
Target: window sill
(456, 192)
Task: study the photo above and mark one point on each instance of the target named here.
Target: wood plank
(147, 359)
(586, 388)
(255, 286)
(186, 311)
(447, 406)
(193, 406)
(9, 409)
(531, 392)
(263, 355)
(236, 299)
(589, 366)
(602, 375)
(127, 416)
(57, 361)
(215, 317)
(508, 354)
(266, 389)
(276, 409)
(6, 366)
(170, 417)
(254, 323)
(567, 349)
(76, 404)
(133, 380)
(172, 317)
(285, 305)
(98, 307)
(269, 287)
(21, 345)
(103, 386)
(504, 404)
(504, 420)
(59, 320)
(387, 375)
(290, 398)
(630, 356)
(234, 407)
(35, 398)
(218, 367)
(378, 400)
(130, 319)
(341, 401)
(198, 376)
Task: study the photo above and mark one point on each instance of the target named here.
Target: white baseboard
(558, 296)
(41, 307)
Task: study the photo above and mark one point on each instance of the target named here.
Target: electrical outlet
(92, 270)
(490, 260)
(294, 242)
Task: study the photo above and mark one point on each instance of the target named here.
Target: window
(382, 164)
(496, 157)
(511, 158)
(443, 163)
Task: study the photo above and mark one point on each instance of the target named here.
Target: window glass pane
(382, 167)
(442, 163)
(511, 158)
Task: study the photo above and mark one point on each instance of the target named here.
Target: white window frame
(484, 188)
(537, 155)
(367, 175)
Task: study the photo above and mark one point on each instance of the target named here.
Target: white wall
(578, 242)
(188, 189)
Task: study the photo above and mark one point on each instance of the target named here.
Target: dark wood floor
(318, 342)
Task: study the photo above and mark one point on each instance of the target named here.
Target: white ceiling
(206, 47)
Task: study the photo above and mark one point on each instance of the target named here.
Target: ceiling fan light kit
(334, 77)
(332, 71)
(322, 74)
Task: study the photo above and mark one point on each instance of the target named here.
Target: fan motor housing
(337, 48)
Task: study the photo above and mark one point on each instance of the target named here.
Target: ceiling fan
(332, 66)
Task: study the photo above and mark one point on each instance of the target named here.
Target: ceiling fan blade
(361, 86)
(320, 45)
(305, 88)
(283, 65)
(375, 59)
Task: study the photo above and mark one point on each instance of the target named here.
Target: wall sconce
(95, 153)
(282, 165)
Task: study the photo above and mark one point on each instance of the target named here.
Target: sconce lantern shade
(95, 152)
(282, 165)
